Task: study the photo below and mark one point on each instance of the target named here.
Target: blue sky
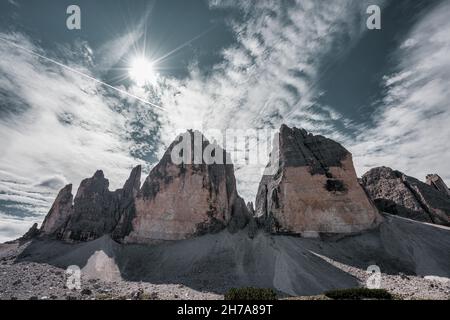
(220, 64)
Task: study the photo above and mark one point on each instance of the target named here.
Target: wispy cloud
(14, 3)
(13, 227)
(412, 129)
(56, 127)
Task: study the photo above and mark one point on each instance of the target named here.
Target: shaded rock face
(182, 200)
(315, 189)
(436, 182)
(396, 193)
(126, 203)
(31, 233)
(95, 211)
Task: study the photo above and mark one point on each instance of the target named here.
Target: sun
(142, 72)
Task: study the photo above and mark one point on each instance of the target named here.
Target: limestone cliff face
(177, 201)
(315, 189)
(396, 193)
(183, 200)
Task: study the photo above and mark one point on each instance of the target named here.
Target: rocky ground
(405, 287)
(39, 281)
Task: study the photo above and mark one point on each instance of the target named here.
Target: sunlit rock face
(314, 190)
(436, 182)
(396, 193)
(59, 214)
(187, 199)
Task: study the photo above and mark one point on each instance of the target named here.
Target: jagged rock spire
(95, 211)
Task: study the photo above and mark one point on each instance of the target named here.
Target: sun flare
(142, 72)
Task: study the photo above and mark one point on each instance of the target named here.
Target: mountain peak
(396, 193)
(315, 189)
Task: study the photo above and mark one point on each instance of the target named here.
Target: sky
(115, 93)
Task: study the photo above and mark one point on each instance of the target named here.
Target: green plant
(104, 296)
(250, 294)
(149, 296)
(359, 294)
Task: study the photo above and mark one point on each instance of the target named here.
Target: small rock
(138, 294)
(404, 276)
(17, 282)
(86, 292)
(154, 296)
(104, 290)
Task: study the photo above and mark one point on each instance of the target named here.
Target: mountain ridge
(314, 190)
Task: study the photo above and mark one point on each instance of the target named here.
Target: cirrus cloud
(411, 130)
